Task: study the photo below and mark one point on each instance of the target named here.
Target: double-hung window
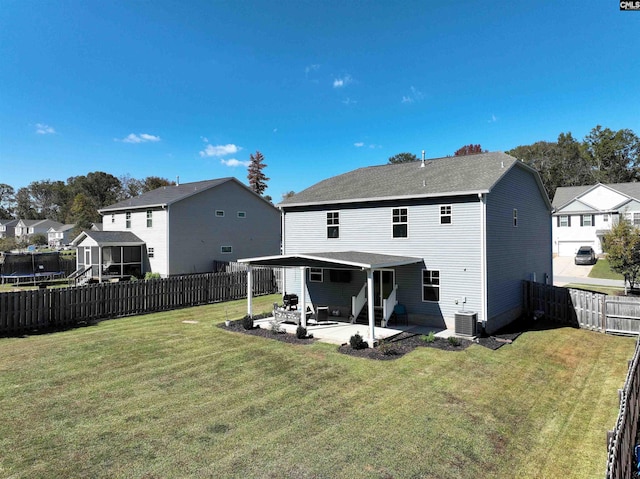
(430, 285)
(564, 220)
(400, 227)
(127, 217)
(149, 218)
(445, 214)
(333, 224)
(586, 220)
(316, 275)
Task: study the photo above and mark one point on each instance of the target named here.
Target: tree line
(75, 201)
(603, 156)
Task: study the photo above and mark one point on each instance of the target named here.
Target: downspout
(100, 263)
(167, 246)
(282, 250)
(483, 258)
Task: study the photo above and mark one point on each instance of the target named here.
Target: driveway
(565, 266)
(565, 271)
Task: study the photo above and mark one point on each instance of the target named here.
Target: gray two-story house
(439, 236)
(180, 229)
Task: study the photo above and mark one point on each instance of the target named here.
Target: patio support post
(250, 291)
(370, 311)
(303, 296)
(100, 263)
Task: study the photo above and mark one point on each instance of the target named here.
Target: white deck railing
(358, 302)
(387, 306)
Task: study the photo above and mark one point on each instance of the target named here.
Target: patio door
(383, 281)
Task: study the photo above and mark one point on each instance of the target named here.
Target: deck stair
(364, 319)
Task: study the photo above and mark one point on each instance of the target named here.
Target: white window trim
(430, 285)
(150, 252)
(222, 249)
(127, 220)
(515, 217)
(566, 218)
(219, 213)
(242, 214)
(149, 218)
(394, 223)
(444, 215)
(336, 225)
(316, 275)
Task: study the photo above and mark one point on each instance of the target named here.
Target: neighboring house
(60, 236)
(7, 228)
(439, 236)
(26, 228)
(184, 228)
(583, 214)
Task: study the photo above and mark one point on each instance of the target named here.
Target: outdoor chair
(400, 314)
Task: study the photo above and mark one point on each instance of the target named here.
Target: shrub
(301, 332)
(149, 275)
(429, 338)
(453, 341)
(275, 326)
(357, 342)
(247, 322)
(386, 348)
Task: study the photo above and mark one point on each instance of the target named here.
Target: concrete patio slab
(336, 332)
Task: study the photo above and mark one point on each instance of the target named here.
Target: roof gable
(576, 206)
(449, 176)
(166, 195)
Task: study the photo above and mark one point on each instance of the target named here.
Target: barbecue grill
(290, 301)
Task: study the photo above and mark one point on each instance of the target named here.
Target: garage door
(570, 248)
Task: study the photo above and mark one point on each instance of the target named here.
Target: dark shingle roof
(111, 238)
(439, 177)
(165, 195)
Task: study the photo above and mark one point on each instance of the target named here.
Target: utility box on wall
(466, 323)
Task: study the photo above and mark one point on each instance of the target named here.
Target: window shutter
(558, 221)
(581, 220)
(593, 220)
(569, 221)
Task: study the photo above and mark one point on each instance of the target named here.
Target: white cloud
(233, 162)
(349, 101)
(493, 119)
(42, 129)
(311, 68)
(141, 138)
(358, 144)
(414, 96)
(219, 150)
(342, 82)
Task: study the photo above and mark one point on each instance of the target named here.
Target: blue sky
(191, 89)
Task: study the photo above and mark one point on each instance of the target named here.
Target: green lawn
(602, 270)
(154, 397)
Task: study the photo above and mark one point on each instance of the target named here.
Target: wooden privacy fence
(622, 439)
(45, 308)
(584, 309)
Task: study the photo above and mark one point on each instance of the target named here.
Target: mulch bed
(403, 343)
(265, 333)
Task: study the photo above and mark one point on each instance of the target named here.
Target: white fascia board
(382, 198)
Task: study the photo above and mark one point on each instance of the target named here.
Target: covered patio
(336, 332)
(369, 263)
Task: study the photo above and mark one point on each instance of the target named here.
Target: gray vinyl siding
(515, 253)
(452, 249)
(196, 234)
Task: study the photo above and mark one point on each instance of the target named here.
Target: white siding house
(583, 214)
(184, 228)
(440, 236)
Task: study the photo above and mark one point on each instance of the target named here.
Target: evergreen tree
(257, 179)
